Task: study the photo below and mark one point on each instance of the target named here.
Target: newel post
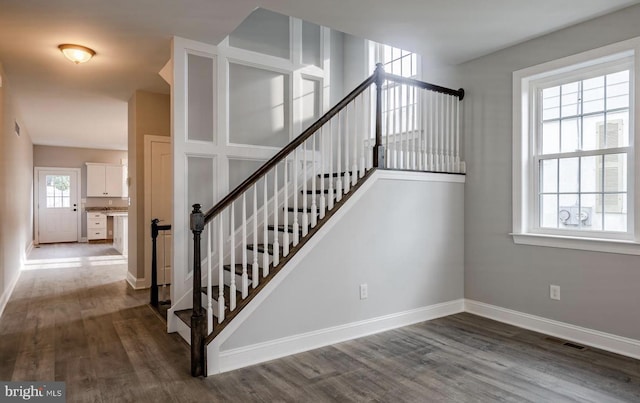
(378, 149)
(198, 319)
(154, 262)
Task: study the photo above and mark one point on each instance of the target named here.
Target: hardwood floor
(85, 326)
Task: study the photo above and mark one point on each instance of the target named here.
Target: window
(574, 136)
(398, 101)
(58, 193)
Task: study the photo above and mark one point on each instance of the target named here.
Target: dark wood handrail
(379, 75)
(427, 86)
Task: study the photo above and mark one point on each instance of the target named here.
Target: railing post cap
(461, 94)
(196, 208)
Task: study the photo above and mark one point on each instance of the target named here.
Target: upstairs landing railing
(388, 122)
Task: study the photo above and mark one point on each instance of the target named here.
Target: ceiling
(86, 105)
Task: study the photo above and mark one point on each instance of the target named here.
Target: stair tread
(335, 174)
(300, 210)
(318, 191)
(281, 228)
(227, 267)
(185, 315)
(260, 248)
(215, 290)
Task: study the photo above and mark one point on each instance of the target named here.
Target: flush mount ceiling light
(76, 53)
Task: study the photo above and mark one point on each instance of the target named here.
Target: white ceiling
(86, 105)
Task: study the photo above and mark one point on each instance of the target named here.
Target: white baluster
(419, 128)
(276, 242)
(458, 163)
(407, 120)
(265, 229)
(255, 268)
(323, 156)
(368, 157)
(414, 133)
(209, 280)
(432, 140)
(338, 160)
(232, 246)
(447, 133)
(437, 131)
(346, 179)
(314, 206)
(245, 276)
(331, 194)
(398, 130)
(365, 133)
(220, 270)
(356, 146)
(296, 227)
(305, 215)
(388, 126)
(285, 217)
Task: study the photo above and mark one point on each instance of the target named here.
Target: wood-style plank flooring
(74, 319)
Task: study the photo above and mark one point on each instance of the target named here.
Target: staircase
(251, 234)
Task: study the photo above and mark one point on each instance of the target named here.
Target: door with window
(58, 210)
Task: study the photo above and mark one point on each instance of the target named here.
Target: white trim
(6, 296)
(27, 251)
(36, 199)
(260, 352)
(524, 173)
(567, 242)
(83, 239)
(136, 283)
(419, 176)
(594, 338)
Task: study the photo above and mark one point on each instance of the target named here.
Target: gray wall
(16, 191)
(403, 238)
(599, 290)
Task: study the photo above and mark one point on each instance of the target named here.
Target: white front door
(58, 210)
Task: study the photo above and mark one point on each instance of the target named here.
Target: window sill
(589, 244)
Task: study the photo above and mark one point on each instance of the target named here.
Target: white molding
(84, 239)
(136, 283)
(27, 251)
(594, 338)
(6, 296)
(420, 176)
(589, 244)
(260, 352)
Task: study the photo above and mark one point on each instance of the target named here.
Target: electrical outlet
(364, 291)
(110, 202)
(110, 233)
(554, 292)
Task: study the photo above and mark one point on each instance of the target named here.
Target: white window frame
(525, 171)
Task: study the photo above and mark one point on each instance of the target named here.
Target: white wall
(402, 237)
(599, 290)
(16, 192)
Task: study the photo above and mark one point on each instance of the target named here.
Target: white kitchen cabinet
(106, 180)
(120, 231)
(96, 226)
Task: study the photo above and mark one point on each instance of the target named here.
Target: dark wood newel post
(378, 149)
(197, 318)
(154, 262)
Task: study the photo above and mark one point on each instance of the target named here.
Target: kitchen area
(106, 205)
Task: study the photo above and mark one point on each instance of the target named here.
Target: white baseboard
(84, 239)
(256, 353)
(27, 251)
(136, 283)
(594, 338)
(6, 295)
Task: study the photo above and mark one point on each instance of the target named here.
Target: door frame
(148, 139)
(36, 199)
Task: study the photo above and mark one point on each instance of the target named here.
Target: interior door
(161, 204)
(58, 210)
